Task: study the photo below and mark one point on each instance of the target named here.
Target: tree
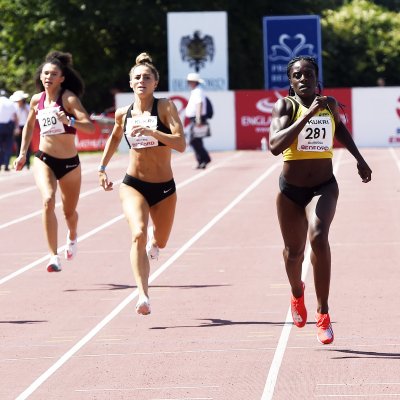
(361, 43)
(105, 37)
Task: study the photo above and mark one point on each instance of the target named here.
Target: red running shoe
(324, 328)
(299, 312)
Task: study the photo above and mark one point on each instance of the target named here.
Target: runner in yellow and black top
(303, 127)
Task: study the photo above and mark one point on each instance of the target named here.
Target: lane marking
(60, 249)
(89, 336)
(116, 182)
(106, 224)
(273, 372)
(394, 156)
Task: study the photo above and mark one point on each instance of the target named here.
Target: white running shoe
(143, 305)
(152, 250)
(71, 248)
(54, 264)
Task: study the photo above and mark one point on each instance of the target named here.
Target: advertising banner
(286, 37)
(253, 109)
(222, 124)
(376, 116)
(197, 42)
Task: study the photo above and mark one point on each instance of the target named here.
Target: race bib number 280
(48, 121)
(316, 135)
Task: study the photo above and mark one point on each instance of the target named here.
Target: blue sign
(285, 38)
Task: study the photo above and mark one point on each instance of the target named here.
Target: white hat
(19, 95)
(193, 77)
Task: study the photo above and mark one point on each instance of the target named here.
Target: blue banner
(287, 37)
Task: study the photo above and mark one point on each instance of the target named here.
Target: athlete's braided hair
(309, 59)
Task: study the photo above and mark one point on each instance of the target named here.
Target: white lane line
(82, 342)
(60, 249)
(148, 388)
(33, 187)
(117, 182)
(394, 156)
(371, 395)
(273, 372)
(106, 224)
(359, 384)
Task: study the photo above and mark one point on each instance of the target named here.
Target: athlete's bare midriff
(307, 173)
(150, 165)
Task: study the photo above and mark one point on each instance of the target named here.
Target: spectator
(22, 108)
(8, 119)
(196, 111)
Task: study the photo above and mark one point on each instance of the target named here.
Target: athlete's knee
(319, 238)
(139, 238)
(49, 203)
(70, 213)
(293, 255)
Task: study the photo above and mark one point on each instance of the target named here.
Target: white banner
(197, 42)
(222, 125)
(376, 116)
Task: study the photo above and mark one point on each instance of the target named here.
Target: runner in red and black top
(152, 128)
(59, 113)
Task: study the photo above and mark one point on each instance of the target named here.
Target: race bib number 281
(48, 121)
(316, 135)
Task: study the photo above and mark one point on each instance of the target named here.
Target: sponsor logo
(168, 190)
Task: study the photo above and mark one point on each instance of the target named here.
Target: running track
(219, 327)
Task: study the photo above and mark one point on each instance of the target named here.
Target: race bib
(146, 121)
(48, 121)
(316, 135)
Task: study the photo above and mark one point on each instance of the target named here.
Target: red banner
(86, 141)
(254, 109)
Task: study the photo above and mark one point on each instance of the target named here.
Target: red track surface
(219, 327)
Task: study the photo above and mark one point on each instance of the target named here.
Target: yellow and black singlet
(316, 139)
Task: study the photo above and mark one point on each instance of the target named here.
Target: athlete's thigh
(70, 187)
(162, 215)
(326, 207)
(135, 208)
(293, 222)
(45, 179)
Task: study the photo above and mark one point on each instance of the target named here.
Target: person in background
(153, 129)
(60, 113)
(303, 126)
(8, 120)
(381, 81)
(19, 98)
(196, 112)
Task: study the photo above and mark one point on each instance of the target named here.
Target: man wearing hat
(19, 98)
(196, 111)
(8, 119)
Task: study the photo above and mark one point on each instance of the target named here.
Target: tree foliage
(105, 37)
(361, 44)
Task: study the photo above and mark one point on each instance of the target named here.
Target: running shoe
(143, 306)
(152, 249)
(324, 328)
(70, 248)
(298, 308)
(54, 264)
